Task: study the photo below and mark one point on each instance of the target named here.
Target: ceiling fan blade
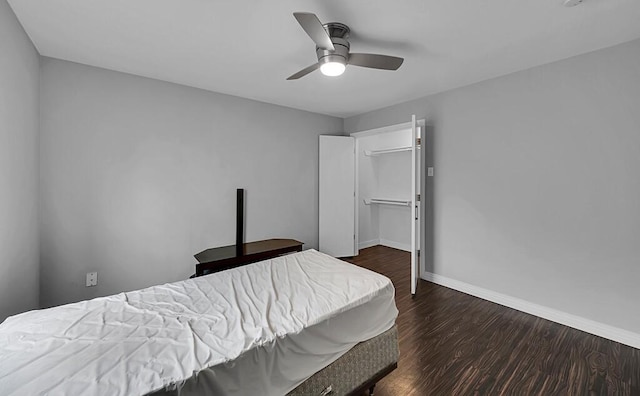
(304, 72)
(376, 61)
(312, 25)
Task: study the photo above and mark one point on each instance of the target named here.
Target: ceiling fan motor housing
(339, 33)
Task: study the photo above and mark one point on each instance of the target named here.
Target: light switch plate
(430, 171)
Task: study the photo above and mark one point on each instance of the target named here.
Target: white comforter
(138, 342)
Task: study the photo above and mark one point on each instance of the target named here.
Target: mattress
(259, 329)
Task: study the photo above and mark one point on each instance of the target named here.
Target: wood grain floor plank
(455, 344)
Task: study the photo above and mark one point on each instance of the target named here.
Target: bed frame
(354, 372)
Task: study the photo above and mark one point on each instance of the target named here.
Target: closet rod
(397, 202)
(386, 151)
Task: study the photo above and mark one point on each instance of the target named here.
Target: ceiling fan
(332, 49)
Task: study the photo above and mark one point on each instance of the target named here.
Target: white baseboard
(367, 244)
(384, 242)
(577, 322)
(395, 245)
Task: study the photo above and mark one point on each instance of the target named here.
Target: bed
(301, 324)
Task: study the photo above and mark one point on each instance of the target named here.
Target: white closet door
(337, 196)
(415, 205)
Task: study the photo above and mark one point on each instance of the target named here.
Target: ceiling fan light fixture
(332, 65)
(332, 69)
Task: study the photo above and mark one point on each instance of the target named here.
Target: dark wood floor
(455, 344)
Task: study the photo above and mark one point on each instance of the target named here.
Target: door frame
(376, 131)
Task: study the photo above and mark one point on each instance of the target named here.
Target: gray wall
(138, 175)
(535, 193)
(18, 167)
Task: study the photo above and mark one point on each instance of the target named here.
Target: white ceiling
(248, 48)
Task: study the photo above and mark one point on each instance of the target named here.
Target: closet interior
(370, 185)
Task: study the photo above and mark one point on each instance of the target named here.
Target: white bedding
(157, 338)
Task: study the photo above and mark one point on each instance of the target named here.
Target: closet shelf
(380, 201)
(386, 151)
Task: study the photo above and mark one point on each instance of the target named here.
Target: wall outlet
(92, 279)
(430, 171)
